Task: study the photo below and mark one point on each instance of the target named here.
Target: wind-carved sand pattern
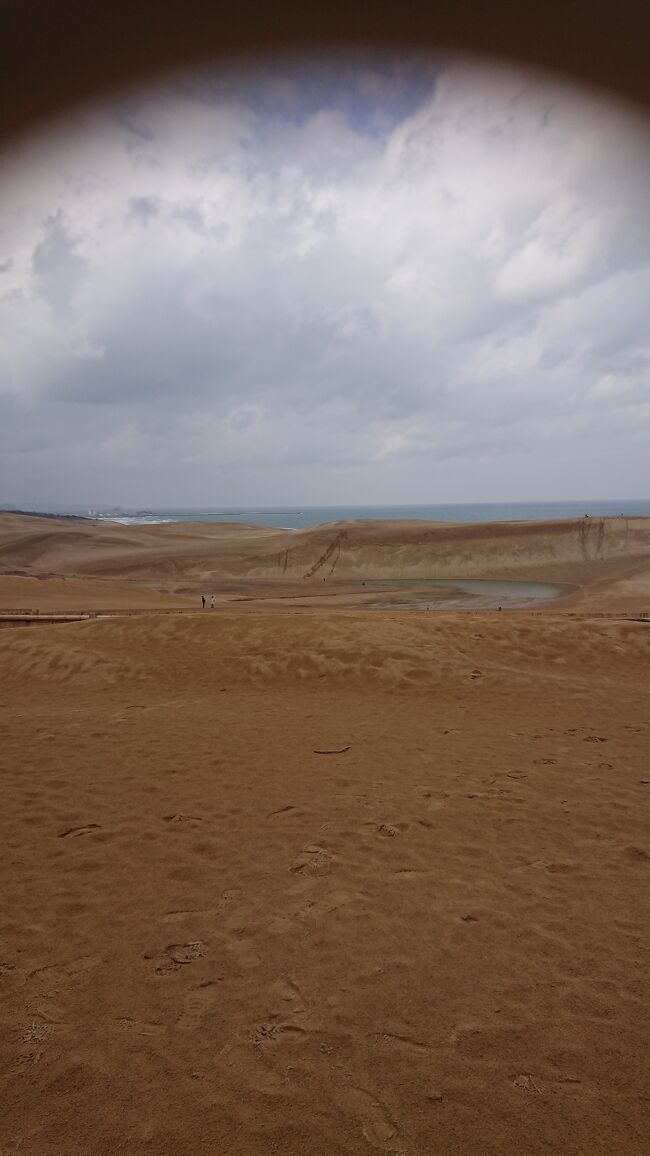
(214, 937)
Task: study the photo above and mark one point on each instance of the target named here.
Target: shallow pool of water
(482, 591)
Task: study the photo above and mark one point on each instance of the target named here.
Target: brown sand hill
(325, 883)
(185, 560)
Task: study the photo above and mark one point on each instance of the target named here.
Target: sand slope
(216, 940)
(54, 564)
(570, 551)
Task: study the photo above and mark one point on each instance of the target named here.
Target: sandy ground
(325, 881)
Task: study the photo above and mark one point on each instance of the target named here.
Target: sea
(299, 517)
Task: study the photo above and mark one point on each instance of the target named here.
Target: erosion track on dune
(333, 551)
(586, 536)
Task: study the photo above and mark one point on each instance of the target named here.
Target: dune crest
(175, 562)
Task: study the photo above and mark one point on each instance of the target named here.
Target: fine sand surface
(322, 881)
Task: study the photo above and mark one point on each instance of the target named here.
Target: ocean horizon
(300, 517)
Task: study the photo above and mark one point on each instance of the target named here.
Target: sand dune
(187, 559)
(314, 648)
(332, 881)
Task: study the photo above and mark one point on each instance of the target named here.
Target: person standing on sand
(203, 602)
(212, 602)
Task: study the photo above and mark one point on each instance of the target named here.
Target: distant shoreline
(305, 517)
(41, 514)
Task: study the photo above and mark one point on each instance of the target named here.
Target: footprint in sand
(377, 1126)
(387, 831)
(272, 1031)
(282, 811)
(183, 914)
(139, 1028)
(594, 739)
(182, 818)
(465, 1036)
(292, 1017)
(175, 956)
(291, 995)
(310, 911)
(74, 832)
(526, 1082)
(180, 914)
(235, 936)
(404, 1042)
(313, 860)
(60, 973)
(197, 1005)
(637, 854)
(244, 952)
(432, 803)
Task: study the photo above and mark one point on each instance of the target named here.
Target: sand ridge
(51, 564)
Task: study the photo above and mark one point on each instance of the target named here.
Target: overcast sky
(353, 283)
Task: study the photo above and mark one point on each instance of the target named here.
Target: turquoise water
(485, 592)
(492, 586)
(299, 517)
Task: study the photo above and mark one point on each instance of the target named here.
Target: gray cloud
(58, 269)
(393, 281)
(142, 210)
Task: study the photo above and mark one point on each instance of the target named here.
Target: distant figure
(499, 608)
(203, 602)
(212, 602)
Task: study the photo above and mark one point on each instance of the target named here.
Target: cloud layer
(376, 281)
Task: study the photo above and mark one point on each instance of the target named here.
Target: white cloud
(415, 281)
